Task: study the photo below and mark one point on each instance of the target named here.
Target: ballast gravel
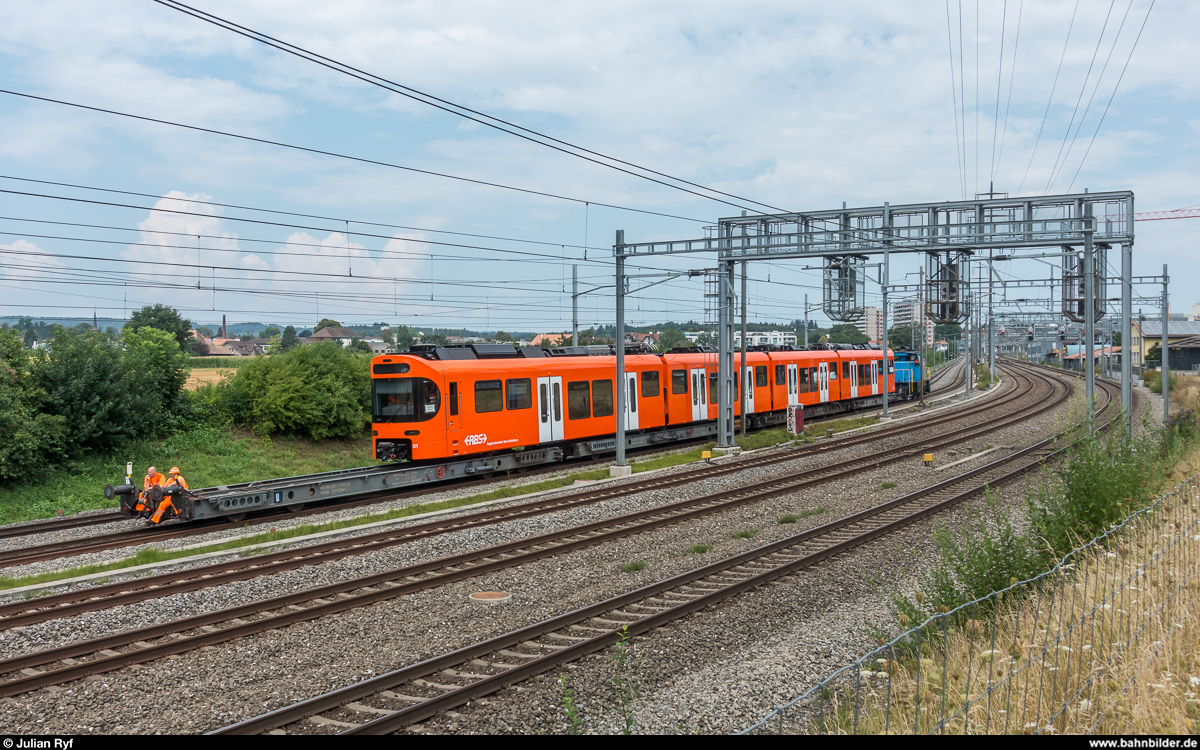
(710, 672)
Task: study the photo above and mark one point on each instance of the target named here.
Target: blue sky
(801, 105)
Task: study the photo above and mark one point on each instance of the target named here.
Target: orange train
(437, 404)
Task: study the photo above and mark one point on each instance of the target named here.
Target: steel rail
(27, 612)
(145, 536)
(334, 598)
(612, 619)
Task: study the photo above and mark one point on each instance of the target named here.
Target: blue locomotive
(909, 378)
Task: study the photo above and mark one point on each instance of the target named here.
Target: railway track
(28, 612)
(24, 612)
(398, 699)
(101, 655)
(138, 536)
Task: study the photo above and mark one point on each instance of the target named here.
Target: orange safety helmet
(174, 469)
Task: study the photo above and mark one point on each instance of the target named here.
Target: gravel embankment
(759, 648)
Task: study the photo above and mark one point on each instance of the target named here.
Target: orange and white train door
(453, 417)
(748, 387)
(699, 395)
(550, 410)
(854, 380)
(875, 377)
(823, 379)
(793, 385)
(631, 401)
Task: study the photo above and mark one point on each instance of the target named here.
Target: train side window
(650, 384)
(780, 375)
(679, 381)
(845, 369)
(520, 394)
(712, 384)
(454, 399)
(489, 396)
(544, 401)
(602, 398)
(803, 373)
(760, 376)
(632, 397)
(579, 400)
(557, 401)
(864, 374)
(833, 371)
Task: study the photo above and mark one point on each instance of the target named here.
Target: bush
(1106, 478)
(984, 559)
(29, 437)
(319, 391)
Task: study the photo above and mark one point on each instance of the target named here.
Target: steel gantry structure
(948, 233)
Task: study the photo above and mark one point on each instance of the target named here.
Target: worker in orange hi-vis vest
(153, 479)
(176, 480)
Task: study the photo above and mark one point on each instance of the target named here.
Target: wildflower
(1085, 705)
(1194, 680)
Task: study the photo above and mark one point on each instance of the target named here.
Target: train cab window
(780, 375)
(845, 369)
(520, 394)
(650, 384)
(404, 399)
(679, 380)
(602, 398)
(760, 376)
(579, 400)
(489, 396)
(803, 373)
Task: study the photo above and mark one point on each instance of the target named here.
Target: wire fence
(1053, 654)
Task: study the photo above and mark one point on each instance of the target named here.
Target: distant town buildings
(908, 313)
(871, 324)
(764, 338)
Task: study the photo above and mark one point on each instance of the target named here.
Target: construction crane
(1179, 213)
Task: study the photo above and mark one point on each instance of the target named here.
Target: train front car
(408, 396)
(908, 374)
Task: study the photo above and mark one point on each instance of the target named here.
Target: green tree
(160, 365)
(30, 338)
(320, 391)
(288, 339)
(502, 338)
(358, 345)
(327, 323)
(671, 338)
(30, 438)
(163, 318)
(908, 337)
(269, 332)
(104, 399)
(846, 333)
(205, 331)
(388, 337)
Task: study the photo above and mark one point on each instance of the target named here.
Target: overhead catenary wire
(363, 222)
(1095, 89)
(458, 109)
(360, 159)
(1050, 100)
(1113, 95)
(1082, 91)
